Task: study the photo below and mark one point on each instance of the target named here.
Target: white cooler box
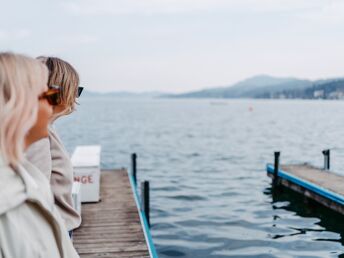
(86, 164)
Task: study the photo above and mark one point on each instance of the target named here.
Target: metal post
(145, 199)
(133, 167)
(276, 167)
(326, 154)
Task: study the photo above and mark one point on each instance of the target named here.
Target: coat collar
(12, 187)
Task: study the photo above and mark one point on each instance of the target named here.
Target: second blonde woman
(49, 154)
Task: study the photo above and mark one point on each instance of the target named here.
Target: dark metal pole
(326, 159)
(145, 199)
(276, 167)
(133, 167)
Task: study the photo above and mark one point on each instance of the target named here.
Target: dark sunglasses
(52, 95)
(80, 89)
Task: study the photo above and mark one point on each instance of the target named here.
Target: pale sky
(179, 45)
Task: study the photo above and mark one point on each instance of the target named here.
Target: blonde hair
(63, 74)
(22, 80)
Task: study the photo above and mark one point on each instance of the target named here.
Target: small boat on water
(218, 103)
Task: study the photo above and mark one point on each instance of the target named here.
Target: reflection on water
(283, 198)
(210, 195)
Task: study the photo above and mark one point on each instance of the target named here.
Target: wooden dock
(322, 186)
(115, 226)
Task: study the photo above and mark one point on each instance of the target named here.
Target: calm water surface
(206, 160)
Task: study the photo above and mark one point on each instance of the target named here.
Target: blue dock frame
(143, 219)
(314, 190)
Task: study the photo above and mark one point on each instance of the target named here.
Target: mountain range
(263, 86)
(123, 94)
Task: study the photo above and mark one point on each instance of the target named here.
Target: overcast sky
(179, 45)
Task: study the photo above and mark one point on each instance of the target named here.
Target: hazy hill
(123, 94)
(249, 88)
(262, 86)
(321, 89)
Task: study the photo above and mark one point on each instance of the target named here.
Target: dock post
(133, 167)
(326, 159)
(276, 167)
(145, 199)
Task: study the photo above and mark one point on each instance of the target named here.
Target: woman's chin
(46, 134)
(41, 136)
(35, 136)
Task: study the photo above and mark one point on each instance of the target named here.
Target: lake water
(205, 159)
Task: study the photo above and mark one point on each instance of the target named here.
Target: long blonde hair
(63, 74)
(22, 79)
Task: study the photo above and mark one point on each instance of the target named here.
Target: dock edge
(144, 223)
(337, 198)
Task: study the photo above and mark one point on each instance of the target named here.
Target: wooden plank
(116, 255)
(112, 227)
(322, 186)
(322, 178)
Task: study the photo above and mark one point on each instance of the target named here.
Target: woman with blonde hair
(30, 225)
(49, 154)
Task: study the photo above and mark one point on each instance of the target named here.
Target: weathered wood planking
(323, 178)
(112, 227)
(322, 186)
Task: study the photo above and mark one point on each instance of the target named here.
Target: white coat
(30, 225)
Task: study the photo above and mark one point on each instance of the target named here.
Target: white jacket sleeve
(40, 156)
